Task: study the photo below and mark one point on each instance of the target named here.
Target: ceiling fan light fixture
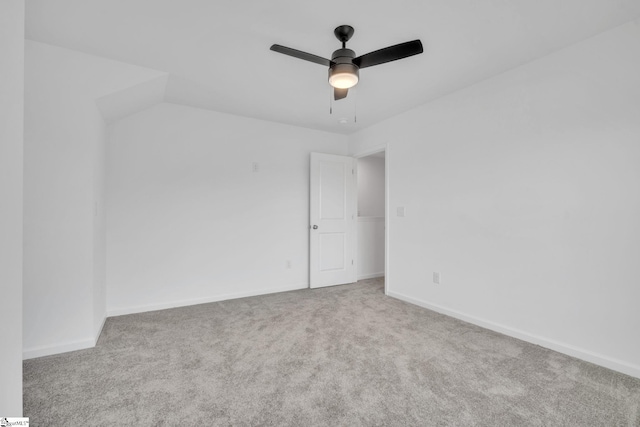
(343, 76)
(344, 66)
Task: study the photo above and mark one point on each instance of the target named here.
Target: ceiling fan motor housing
(343, 65)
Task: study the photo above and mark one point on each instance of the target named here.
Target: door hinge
(353, 171)
(351, 262)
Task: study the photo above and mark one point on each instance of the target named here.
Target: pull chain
(330, 100)
(355, 107)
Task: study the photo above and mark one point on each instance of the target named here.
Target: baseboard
(174, 304)
(48, 350)
(98, 331)
(371, 275)
(579, 353)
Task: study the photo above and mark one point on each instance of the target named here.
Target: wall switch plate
(436, 277)
(400, 211)
(288, 264)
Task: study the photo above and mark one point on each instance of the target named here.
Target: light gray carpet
(345, 355)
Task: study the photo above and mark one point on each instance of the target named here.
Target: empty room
(320, 213)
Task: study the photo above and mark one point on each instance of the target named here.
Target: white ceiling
(217, 52)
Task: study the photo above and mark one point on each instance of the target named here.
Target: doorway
(371, 224)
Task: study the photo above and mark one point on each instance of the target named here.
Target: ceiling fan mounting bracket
(344, 33)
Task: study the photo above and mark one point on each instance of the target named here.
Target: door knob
(315, 227)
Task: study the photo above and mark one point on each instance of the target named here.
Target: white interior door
(332, 220)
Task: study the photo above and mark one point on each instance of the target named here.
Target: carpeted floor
(345, 355)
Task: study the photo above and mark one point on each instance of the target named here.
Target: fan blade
(300, 54)
(388, 54)
(339, 93)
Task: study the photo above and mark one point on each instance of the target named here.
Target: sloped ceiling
(217, 55)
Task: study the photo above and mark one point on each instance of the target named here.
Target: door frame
(387, 211)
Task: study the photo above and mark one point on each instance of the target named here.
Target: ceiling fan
(344, 66)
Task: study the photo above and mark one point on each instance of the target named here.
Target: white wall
(371, 186)
(523, 191)
(371, 193)
(64, 255)
(11, 143)
(188, 220)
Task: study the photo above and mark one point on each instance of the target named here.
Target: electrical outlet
(436, 277)
(255, 167)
